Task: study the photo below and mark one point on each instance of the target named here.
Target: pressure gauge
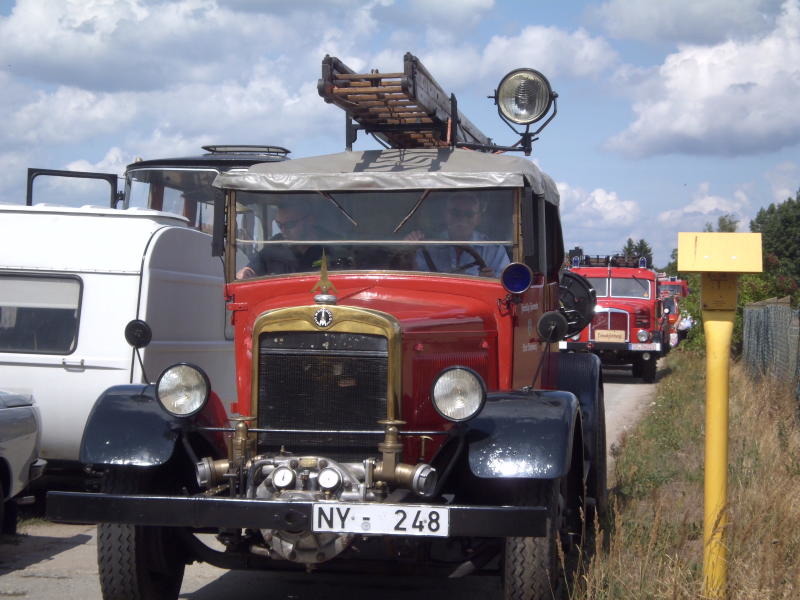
(282, 478)
(329, 479)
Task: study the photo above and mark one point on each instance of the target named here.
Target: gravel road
(49, 561)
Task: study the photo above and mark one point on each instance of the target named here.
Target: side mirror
(138, 333)
(552, 326)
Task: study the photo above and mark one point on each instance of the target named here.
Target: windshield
(630, 288)
(463, 232)
(600, 285)
(186, 192)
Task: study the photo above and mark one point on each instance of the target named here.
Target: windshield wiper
(412, 211)
(330, 198)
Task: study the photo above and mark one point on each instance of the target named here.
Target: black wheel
(636, 369)
(531, 566)
(137, 563)
(649, 370)
(597, 485)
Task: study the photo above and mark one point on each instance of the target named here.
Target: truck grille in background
(325, 382)
(617, 320)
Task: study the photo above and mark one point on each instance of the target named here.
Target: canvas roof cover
(392, 170)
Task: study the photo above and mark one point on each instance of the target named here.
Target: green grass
(654, 543)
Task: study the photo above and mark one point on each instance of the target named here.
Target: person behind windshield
(297, 222)
(462, 215)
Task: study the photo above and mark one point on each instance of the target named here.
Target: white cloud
(597, 208)
(784, 180)
(729, 99)
(69, 115)
(598, 221)
(704, 208)
(550, 50)
(686, 21)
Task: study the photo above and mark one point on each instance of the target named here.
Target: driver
(462, 215)
(297, 222)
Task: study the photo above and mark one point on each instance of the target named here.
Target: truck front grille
(319, 385)
(614, 320)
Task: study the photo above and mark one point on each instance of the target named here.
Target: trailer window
(39, 314)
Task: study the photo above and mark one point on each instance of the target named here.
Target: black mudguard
(581, 374)
(523, 435)
(127, 426)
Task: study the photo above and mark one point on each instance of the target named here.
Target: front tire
(649, 370)
(137, 563)
(531, 569)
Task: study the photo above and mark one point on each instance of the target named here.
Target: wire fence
(771, 344)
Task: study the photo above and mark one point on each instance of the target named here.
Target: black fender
(526, 435)
(128, 426)
(581, 374)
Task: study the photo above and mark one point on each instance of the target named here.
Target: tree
(633, 249)
(726, 223)
(779, 226)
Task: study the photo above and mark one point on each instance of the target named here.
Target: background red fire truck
(630, 324)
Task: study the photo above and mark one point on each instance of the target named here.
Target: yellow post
(719, 257)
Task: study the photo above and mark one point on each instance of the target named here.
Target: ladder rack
(405, 110)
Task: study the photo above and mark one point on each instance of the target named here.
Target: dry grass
(654, 545)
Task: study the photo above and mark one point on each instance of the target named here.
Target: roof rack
(247, 149)
(404, 110)
(609, 260)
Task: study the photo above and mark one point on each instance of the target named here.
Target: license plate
(384, 519)
(609, 335)
(654, 347)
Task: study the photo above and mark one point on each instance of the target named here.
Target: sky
(670, 114)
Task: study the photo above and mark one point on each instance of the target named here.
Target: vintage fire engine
(404, 408)
(630, 324)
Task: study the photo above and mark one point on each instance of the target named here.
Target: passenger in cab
(463, 212)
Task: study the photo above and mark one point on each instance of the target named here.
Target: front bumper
(202, 512)
(609, 346)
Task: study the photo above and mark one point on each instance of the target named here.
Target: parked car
(403, 406)
(630, 325)
(19, 453)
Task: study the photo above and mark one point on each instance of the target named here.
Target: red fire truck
(404, 408)
(630, 324)
(672, 291)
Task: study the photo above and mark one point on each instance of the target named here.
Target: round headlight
(458, 393)
(524, 96)
(642, 335)
(183, 390)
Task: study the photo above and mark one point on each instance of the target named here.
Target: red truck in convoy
(630, 324)
(404, 408)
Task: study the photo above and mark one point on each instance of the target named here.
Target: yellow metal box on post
(720, 258)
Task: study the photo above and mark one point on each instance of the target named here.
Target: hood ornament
(324, 285)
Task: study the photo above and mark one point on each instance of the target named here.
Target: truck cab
(630, 324)
(401, 403)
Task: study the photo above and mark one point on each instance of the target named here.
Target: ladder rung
(388, 89)
(369, 75)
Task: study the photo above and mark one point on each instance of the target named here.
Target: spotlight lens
(524, 96)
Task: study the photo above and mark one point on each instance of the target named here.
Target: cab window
(466, 232)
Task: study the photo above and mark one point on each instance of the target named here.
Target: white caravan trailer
(72, 278)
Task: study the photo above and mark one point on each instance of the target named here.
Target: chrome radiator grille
(616, 320)
(320, 384)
